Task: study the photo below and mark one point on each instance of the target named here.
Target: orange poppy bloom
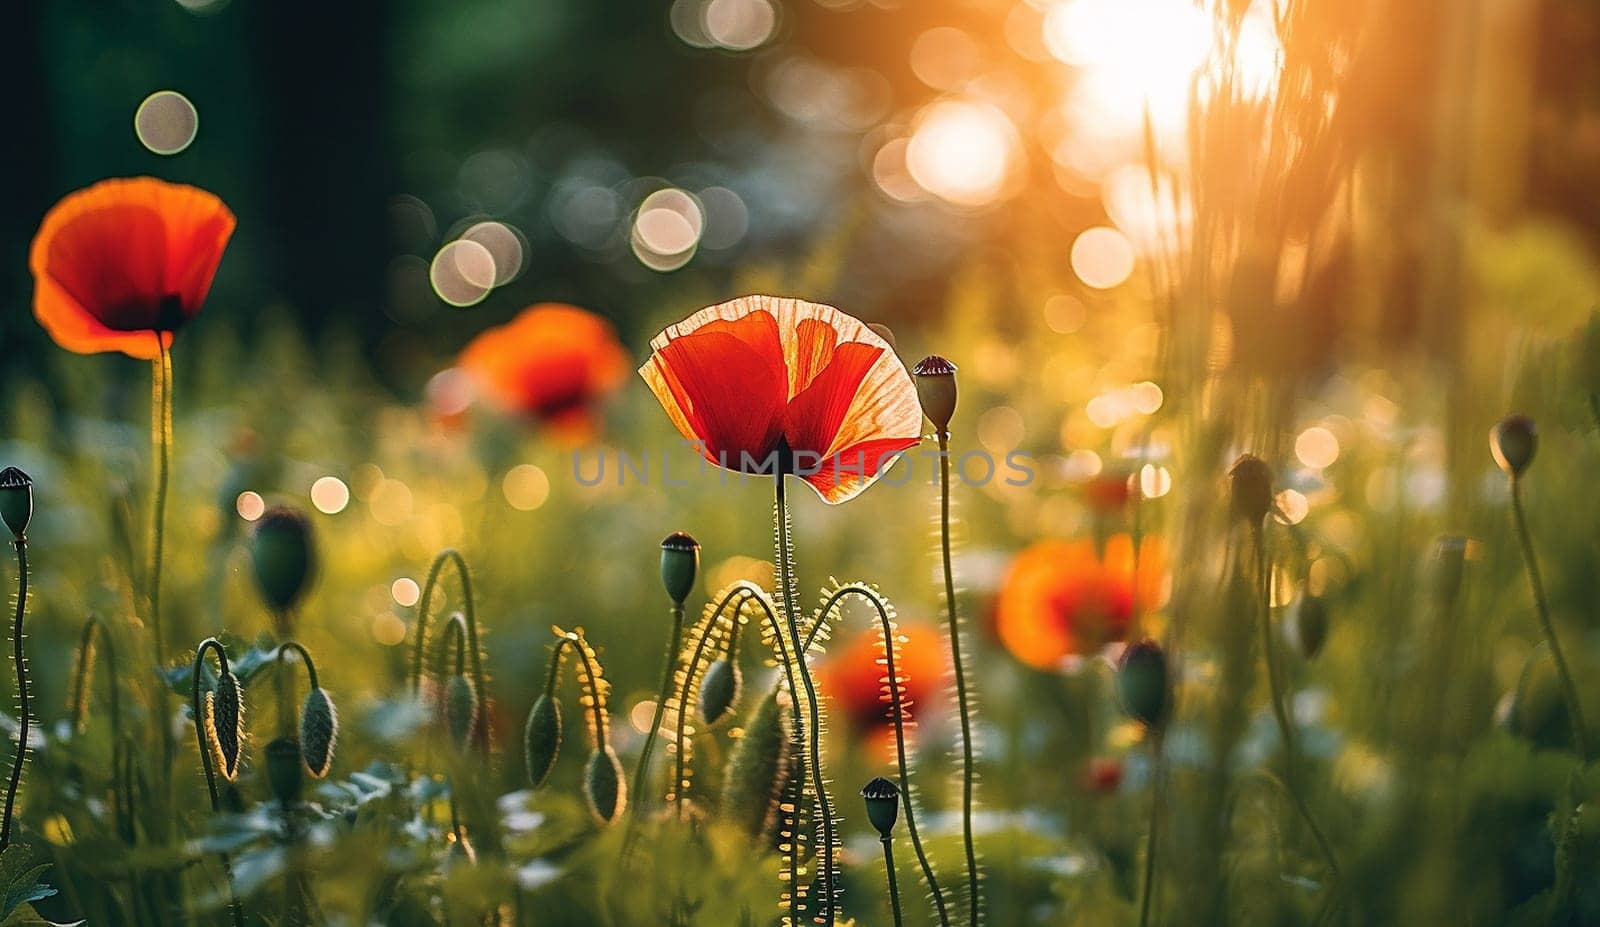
(764, 384)
(552, 363)
(1060, 599)
(855, 678)
(127, 260)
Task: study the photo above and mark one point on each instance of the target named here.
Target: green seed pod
(757, 768)
(319, 732)
(1514, 441)
(680, 562)
(460, 710)
(226, 722)
(883, 805)
(719, 689)
(16, 500)
(936, 389)
(284, 556)
(541, 739)
(603, 786)
(1142, 684)
(285, 770)
(1307, 626)
(1250, 486)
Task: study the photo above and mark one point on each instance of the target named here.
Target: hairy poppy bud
(285, 772)
(16, 500)
(756, 770)
(319, 732)
(226, 722)
(1142, 683)
(680, 561)
(541, 739)
(1307, 626)
(1250, 485)
(883, 805)
(603, 787)
(460, 710)
(719, 690)
(936, 388)
(1514, 441)
(283, 555)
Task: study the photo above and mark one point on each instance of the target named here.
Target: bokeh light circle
(463, 272)
(1102, 257)
(666, 229)
(330, 495)
(504, 243)
(739, 25)
(964, 152)
(166, 122)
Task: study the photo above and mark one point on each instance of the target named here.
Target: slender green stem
(1275, 695)
(964, 708)
(1530, 560)
(786, 581)
(894, 886)
(642, 767)
(80, 711)
(1154, 839)
(20, 660)
(212, 644)
(161, 441)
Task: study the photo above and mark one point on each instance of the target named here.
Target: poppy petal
(843, 475)
(729, 397)
(814, 416)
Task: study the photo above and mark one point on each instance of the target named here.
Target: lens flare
(964, 152)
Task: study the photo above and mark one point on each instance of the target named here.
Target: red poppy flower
(855, 677)
(120, 262)
(1060, 599)
(553, 363)
(764, 384)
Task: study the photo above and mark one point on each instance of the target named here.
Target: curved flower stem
(894, 886)
(311, 671)
(600, 726)
(1530, 560)
(898, 713)
(786, 582)
(642, 768)
(1147, 894)
(468, 608)
(964, 709)
(80, 711)
(1275, 694)
(21, 662)
(680, 729)
(212, 644)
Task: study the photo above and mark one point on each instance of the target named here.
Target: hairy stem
(212, 644)
(642, 767)
(1530, 561)
(894, 886)
(964, 708)
(19, 659)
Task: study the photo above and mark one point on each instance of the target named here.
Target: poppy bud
(285, 772)
(541, 739)
(680, 561)
(756, 770)
(883, 331)
(1142, 683)
(603, 786)
(226, 721)
(1514, 441)
(319, 732)
(284, 558)
(936, 388)
(1250, 484)
(1307, 626)
(460, 710)
(16, 500)
(719, 690)
(883, 805)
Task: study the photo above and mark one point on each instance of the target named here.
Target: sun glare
(964, 152)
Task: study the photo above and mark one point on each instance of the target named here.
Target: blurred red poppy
(765, 384)
(1060, 599)
(128, 259)
(855, 678)
(553, 363)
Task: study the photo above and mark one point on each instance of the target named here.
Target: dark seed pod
(1250, 487)
(719, 690)
(460, 710)
(285, 770)
(541, 739)
(319, 732)
(1307, 626)
(680, 562)
(757, 769)
(1142, 683)
(283, 555)
(603, 787)
(227, 722)
(1514, 441)
(16, 500)
(883, 805)
(936, 389)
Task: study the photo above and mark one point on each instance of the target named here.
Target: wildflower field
(783, 462)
